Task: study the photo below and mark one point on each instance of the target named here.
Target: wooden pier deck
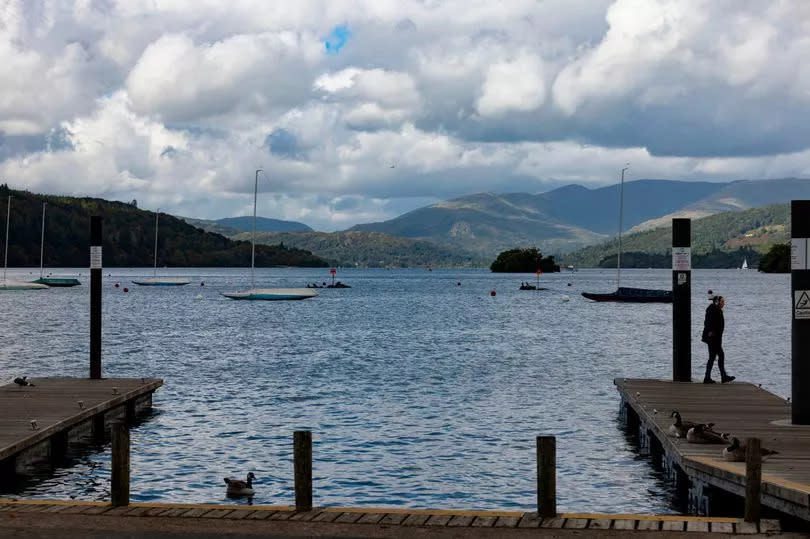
(741, 409)
(371, 522)
(37, 422)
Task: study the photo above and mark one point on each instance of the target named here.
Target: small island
(523, 261)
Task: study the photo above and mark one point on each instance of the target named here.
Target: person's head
(720, 301)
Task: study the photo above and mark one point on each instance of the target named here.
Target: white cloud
(177, 103)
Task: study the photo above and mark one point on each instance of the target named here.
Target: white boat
(745, 263)
(8, 284)
(49, 281)
(160, 281)
(266, 294)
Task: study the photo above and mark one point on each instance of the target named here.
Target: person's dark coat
(713, 324)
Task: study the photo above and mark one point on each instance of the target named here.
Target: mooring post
(753, 479)
(119, 488)
(546, 476)
(800, 298)
(302, 462)
(681, 300)
(95, 297)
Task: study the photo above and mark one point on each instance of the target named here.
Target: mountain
(370, 249)
(756, 228)
(128, 237)
(571, 217)
(230, 226)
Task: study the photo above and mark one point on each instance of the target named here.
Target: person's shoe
(729, 379)
(708, 381)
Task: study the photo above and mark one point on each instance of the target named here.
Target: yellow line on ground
(406, 511)
(660, 518)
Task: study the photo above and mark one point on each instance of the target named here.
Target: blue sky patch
(337, 38)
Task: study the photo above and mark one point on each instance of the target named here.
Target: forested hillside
(128, 237)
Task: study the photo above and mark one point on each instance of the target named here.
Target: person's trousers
(716, 351)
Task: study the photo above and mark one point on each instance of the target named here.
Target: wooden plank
(217, 513)
(371, 518)
(673, 525)
(624, 524)
(769, 525)
(415, 520)
(747, 528)
(240, 514)
(553, 522)
(393, 518)
(460, 521)
(697, 526)
(348, 518)
(576, 523)
(507, 522)
(306, 516)
(438, 520)
(722, 527)
(483, 522)
(530, 520)
(648, 525)
(600, 523)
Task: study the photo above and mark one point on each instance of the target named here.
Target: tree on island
(777, 260)
(523, 261)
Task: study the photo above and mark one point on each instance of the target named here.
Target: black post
(95, 297)
(800, 296)
(753, 480)
(302, 464)
(119, 473)
(546, 476)
(682, 300)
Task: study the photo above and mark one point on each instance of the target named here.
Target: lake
(420, 388)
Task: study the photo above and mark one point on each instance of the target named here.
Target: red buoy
(491, 292)
(126, 289)
(116, 285)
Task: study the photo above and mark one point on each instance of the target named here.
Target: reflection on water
(419, 392)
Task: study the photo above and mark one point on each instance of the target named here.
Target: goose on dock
(237, 487)
(702, 434)
(736, 451)
(679, 427)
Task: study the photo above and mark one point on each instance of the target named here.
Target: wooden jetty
(741, 409)
(38, 422)
(466, 523)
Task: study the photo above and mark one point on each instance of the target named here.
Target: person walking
(713, 327)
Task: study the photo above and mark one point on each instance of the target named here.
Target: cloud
(176, 104)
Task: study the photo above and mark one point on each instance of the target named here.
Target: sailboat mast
(157, 216)
(253, 236)
(8, 220)
(621, 218)
(42, 242)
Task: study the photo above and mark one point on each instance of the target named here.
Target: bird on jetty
(22, 381)
(237, 487)
(679, 427)
(736, 451)
(703, 434)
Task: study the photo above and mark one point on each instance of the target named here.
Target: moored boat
(270, 294)
(632, 295)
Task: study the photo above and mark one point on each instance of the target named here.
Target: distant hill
(128, 237)
(756, 228)
(571, 217)
(370, 249)
(230, 226)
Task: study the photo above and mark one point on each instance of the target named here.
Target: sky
(360, 110)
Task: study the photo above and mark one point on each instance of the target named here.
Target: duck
(703, 434)
(680, 428)
(736, 451)
(237, 487)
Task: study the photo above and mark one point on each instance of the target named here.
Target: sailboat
(8, 284)
(267, 294)
(160, 281)
(50, 281)
(627, 294)
(744, 264)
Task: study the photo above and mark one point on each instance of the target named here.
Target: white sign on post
(798, 254)
(681, 258)
(95, 257)
(801, 304)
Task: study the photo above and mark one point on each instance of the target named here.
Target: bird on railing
(736, 451)
(679, 427)
(237, 487)
(22, 381)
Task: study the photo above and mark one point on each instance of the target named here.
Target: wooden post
(546, 476)
(800, 321)
(302, 455)
(95, 297)
(681, 300)
(753, 479)
(119, 488)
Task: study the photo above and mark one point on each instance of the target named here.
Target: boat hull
(57, 282)
(633, 295)
(162, 281)
(272, 294)
(20, 285)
